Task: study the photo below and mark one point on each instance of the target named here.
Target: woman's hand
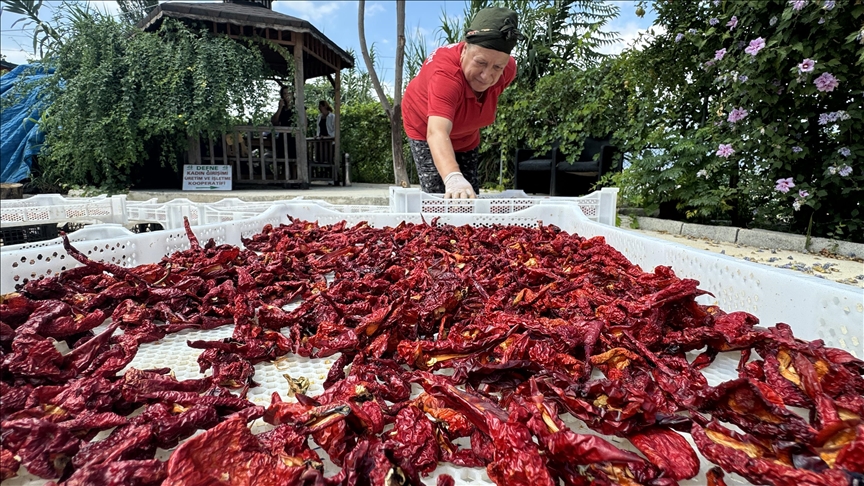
(457, 187)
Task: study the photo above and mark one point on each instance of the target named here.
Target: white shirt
(331, 125)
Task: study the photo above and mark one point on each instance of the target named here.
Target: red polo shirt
(440, 89)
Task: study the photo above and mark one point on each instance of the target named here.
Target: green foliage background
(681, 97)
(667, 106)
(123, 97)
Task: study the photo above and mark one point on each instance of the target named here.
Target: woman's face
(483, 67)
(323, 108)
(286, 94)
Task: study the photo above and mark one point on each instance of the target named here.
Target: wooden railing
(268, 155)
(323, 165)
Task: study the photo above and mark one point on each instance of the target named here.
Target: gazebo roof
(248, 15)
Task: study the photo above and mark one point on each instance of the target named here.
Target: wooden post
(194, 150)
(249, 153)
(300, 101)
(337, 105)
(224, 150)
(236, 161)
(212, 154)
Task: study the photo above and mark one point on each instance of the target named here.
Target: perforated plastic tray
(600, 206)
(172, 352)
(171, 214)
(816, 309)
(54, 208)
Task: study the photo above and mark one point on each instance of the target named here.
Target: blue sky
(338, 21)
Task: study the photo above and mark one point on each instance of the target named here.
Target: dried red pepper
(517, 319)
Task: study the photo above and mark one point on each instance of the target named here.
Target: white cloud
(17, 56)
(426, 33)
(632, 37)
(373, 8)
(308, 10)
(387, 86)
(107, 7)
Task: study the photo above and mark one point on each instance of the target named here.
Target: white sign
(206, 177)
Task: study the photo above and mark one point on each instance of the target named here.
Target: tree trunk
(399, 170)
(394, 111)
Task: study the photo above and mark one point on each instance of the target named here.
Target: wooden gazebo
(254, 152)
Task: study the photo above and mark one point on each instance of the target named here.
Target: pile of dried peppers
(506, 329)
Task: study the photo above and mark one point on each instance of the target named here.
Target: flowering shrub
(774, 91)
(724, 101)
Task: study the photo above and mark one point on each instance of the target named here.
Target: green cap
(495, 28)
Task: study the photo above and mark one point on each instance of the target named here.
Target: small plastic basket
(170, 214)
(600, 206)
(54, 208)
(18, 235)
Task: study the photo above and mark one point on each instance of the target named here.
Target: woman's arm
(331, 125)
(275, 118)
(444, 157)
(438, 137)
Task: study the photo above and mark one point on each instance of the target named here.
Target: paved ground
(832, 267)
(376, 194)
(840, 269)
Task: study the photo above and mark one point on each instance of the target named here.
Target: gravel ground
(823, 265)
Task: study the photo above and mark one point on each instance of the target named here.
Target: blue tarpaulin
(20, 136)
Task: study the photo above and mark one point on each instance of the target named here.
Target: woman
(454, 95)
(326, 126)
(284, 117)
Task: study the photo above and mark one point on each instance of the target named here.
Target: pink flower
(783, 185)
(826, 82)
(798, 4)
(718, 55)
(806, 66)
(733, 22)
(802, 193)
(725, 150)
(755, 46)
(737, 115)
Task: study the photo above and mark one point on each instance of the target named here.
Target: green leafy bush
(124, 97)
(751, 111)
(366, 137)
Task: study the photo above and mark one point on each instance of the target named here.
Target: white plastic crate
(816, 309)
(170, 214)
(54, 208)
(600, 206)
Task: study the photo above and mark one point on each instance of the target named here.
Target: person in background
(284, 117)
(454, 95)
(326, 125)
